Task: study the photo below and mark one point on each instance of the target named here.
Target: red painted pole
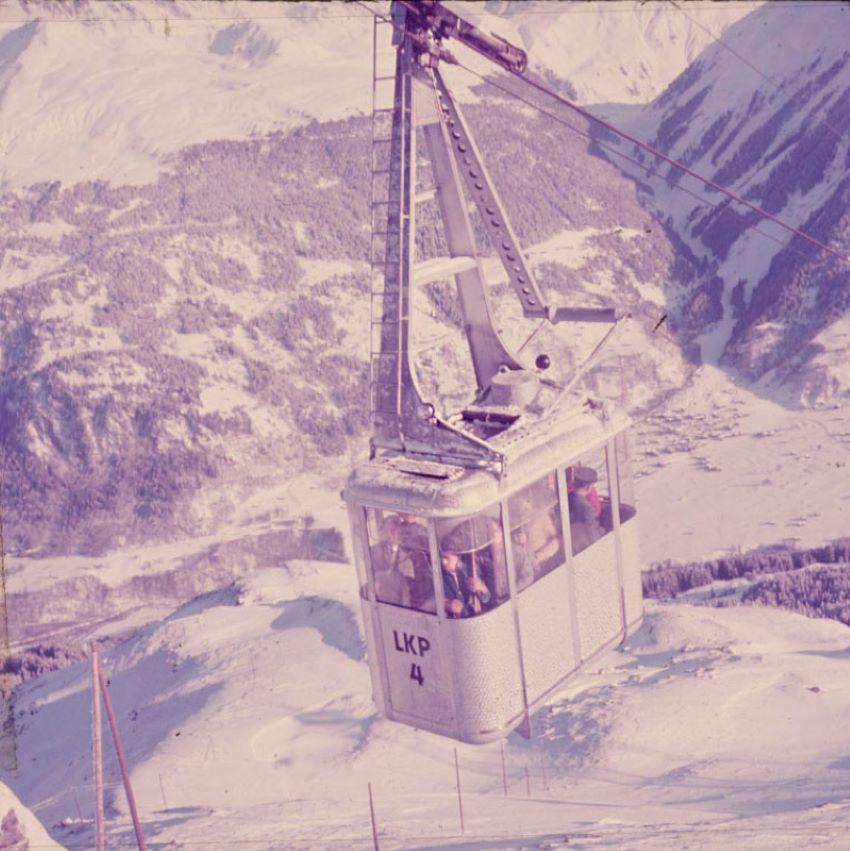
(459, 798)
(97, 753)
(372, 814)
(116, 738)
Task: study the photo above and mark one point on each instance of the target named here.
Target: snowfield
(723, 468)
(110, 90)
(235, 654)
(247, 714)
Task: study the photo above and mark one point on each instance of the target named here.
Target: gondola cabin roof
(437, 489)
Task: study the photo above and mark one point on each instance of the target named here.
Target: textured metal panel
(554, 441)
(546, 637)
(403, 632)
(631, 570)
(373, 656)
(598, 595)
(486, 671)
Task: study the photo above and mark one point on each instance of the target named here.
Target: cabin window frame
(610, 472)
(494, 511)
(368, 513)
(509, 529)
(624, 454)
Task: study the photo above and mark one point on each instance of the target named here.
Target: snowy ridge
(96, 90)
(108, 90)
(647, 45)
(729, 723)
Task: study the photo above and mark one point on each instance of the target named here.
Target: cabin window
(400, 560)
(624, 477)
(473, 563)
(589, 500)
(537, 541)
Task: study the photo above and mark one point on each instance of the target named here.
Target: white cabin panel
(547, 644)
(632, 571)
(414, 670)
(487, 680)
(597, 595)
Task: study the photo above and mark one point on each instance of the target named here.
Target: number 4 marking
(416, 673)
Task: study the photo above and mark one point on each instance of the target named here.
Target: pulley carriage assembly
(496, 550)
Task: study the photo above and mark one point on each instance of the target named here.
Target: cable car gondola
(496, 549)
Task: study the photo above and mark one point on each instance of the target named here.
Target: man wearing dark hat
(584, 525)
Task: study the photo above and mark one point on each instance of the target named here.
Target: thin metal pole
(97, 754)
(116, 738)
(527, 782)
(459, 797)
(372, 814)
(162, 789)
(543, 771)
(504, 773)
(79, 808)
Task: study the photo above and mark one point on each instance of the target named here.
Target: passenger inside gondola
(401, 564)
(465, 593)
(391, 566)
(474, 566)
(414, 539)
(524, 564)
(538, 546)
(585, 527)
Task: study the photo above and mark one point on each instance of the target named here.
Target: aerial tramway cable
(622, 155)
(643, 145)
(682, 167)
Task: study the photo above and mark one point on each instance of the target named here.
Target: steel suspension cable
(643, 145)
(681, 166)
(618, 153)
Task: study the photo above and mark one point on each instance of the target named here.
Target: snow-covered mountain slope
(624, 52)
(772, 124)
(247, 714)
(169, 348)
(108, 90)
(20, 830)
(96, 90)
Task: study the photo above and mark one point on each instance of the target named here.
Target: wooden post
(504, 774)
(372, 815)
(459, 797)
(97, 753)
(119, 751)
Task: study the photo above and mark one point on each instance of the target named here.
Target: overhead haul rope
(682, 167)
(643, 145)
(618, 153)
